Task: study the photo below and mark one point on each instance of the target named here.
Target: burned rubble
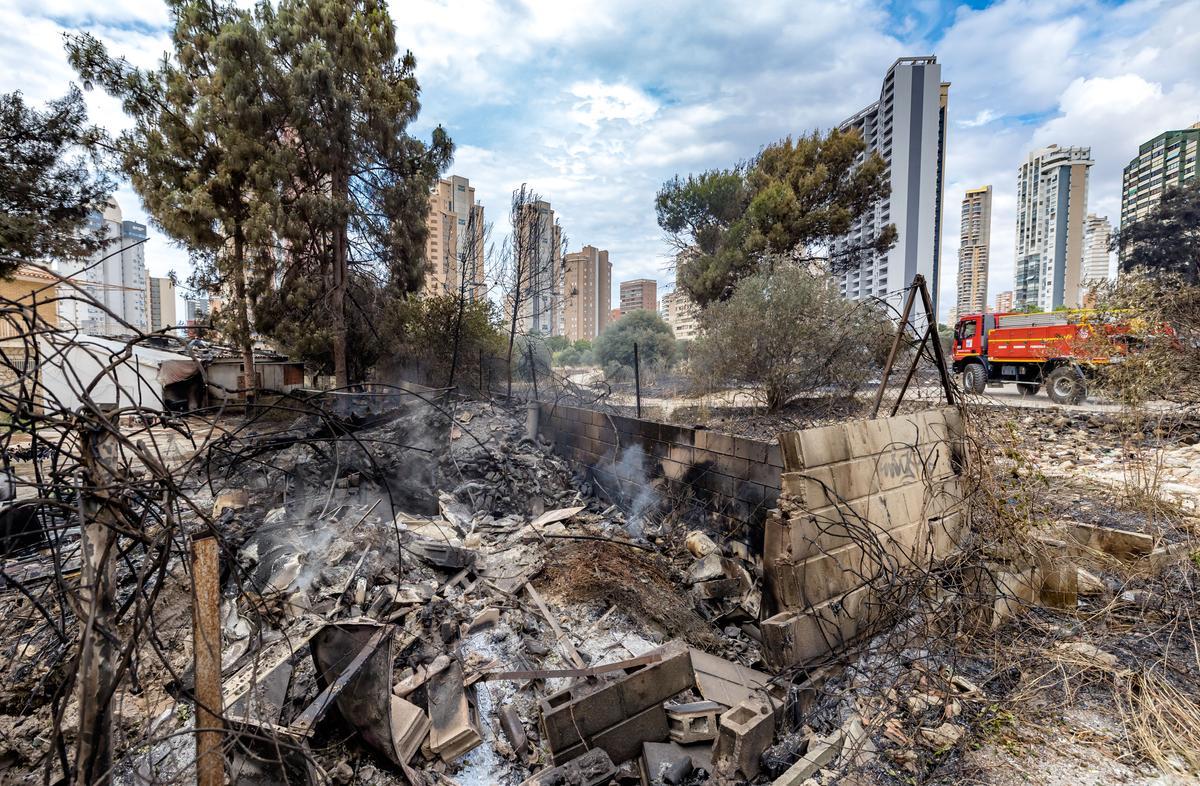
(419, 589)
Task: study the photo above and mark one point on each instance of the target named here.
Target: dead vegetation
(415, 588)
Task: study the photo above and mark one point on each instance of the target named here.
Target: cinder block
(775, 455)
(695, 722)
(745, 732)
(718, 443)
(680, 453)
(750, 449)
(623, 741)
(733, 466)
(717, 483)
(793, 638)
(569, 719)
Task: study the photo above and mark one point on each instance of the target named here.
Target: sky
(595, 103)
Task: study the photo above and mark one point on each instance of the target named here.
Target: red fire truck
(1055, 349)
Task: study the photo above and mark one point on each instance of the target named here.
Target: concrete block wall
(733, 480)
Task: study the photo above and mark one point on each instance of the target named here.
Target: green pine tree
(358, 182)
(47, 192)
(201, 150)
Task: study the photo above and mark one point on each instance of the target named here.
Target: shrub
(656, 342)
(790, 332)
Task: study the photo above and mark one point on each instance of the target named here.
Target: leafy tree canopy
(789, 204)
(1167, 240)
(656, 342)
(48, 191)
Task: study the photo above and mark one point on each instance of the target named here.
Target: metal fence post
(637, 379)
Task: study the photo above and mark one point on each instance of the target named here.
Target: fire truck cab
(1029, 350)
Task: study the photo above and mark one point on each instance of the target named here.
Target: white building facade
(907, 128)
(114, 278)
(1052, 186)
(1097, 237)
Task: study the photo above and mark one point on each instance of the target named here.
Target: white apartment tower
(1097, 236)
(1052, 188)
(160, 303)
(114, 277)
(540, 257)
(907, 128)
(681, 313)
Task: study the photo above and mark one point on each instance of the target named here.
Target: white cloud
(982, 118)
(595, 103)
(599, 103)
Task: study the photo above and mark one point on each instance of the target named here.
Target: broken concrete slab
(623, 742)
(821, 751)
(729, 683)
(574, 720)
(745, 731)
(1124, 545)
(560, 514)
(590, 769)
(571, 717)
(443, 555)
(514, 730)
(410, 726)
(454, 731)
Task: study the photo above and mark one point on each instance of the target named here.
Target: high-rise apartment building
(540, 261)
(975, 237)
(1004, 302)
(639, 294)
(1052, 187)
(160, 303)
(1097, 237)
(587, 293)
(1166, 160)
(115, 277)
(454, 247)
(907, 128)
(681, 313)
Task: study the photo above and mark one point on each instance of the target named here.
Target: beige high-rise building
(454, 248)
(681, 313)
(1004, 302)
(160, 303)
(1097, 236)
(641, 293)
(587, 293)
(540, 262)
(975, 237)
(1052, 189)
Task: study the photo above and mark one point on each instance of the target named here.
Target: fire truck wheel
(974, 378)
(1028, 388)
(1065, 385)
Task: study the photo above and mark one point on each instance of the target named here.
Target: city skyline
(597, 135)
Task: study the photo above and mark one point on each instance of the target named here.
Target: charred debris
(405, 587)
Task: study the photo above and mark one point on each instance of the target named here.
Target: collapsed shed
(117, 373)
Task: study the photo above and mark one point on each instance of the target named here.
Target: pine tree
(47, 191)
(200, 153)
(359, 184)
